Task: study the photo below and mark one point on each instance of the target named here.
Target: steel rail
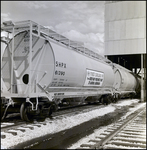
(115, 132)
(112, 133)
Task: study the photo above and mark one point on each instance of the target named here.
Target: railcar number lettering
(58, 94)
(60, 64)
(62, 73)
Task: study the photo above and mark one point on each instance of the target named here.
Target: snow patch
(127, 102)
(102, 129)
(59, 124)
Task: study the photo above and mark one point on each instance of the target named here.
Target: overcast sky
(81, 21)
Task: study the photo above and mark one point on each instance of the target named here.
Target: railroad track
(13, 126)
(39, 126)
(21, 126)
(125, 134)
(77, 109)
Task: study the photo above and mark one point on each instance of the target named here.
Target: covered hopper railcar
(42, 70)
(126, 83)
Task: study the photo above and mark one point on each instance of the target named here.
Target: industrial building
(125, 36)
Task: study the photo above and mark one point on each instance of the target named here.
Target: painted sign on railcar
(94, 78)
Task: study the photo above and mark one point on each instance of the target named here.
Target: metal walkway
(39, 30)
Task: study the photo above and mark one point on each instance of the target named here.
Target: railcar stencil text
(60, 64)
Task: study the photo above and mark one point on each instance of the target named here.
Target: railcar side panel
(73, 69)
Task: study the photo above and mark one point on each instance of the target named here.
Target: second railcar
(125, 83)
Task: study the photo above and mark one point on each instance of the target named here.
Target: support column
(142, 91)
(118, 60)
(144, 77)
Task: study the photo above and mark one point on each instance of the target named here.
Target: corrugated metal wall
(125, 27)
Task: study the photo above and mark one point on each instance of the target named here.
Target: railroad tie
(12, 132)
(3, 136)
(143, 141)
(22, 130)
(38, 125)
(94, 140)
(127, 144)
(82, 148)
(32, 128)
(86, 145)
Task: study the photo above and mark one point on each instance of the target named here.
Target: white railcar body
(41, 69)
(55, 69)
(125, 82)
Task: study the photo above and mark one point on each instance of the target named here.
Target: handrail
(25, 25)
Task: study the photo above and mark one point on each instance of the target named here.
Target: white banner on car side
(94, 78)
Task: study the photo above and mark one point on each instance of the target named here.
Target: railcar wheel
(50, 110)
(116, 97)
(24, 113)
(102, 100)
